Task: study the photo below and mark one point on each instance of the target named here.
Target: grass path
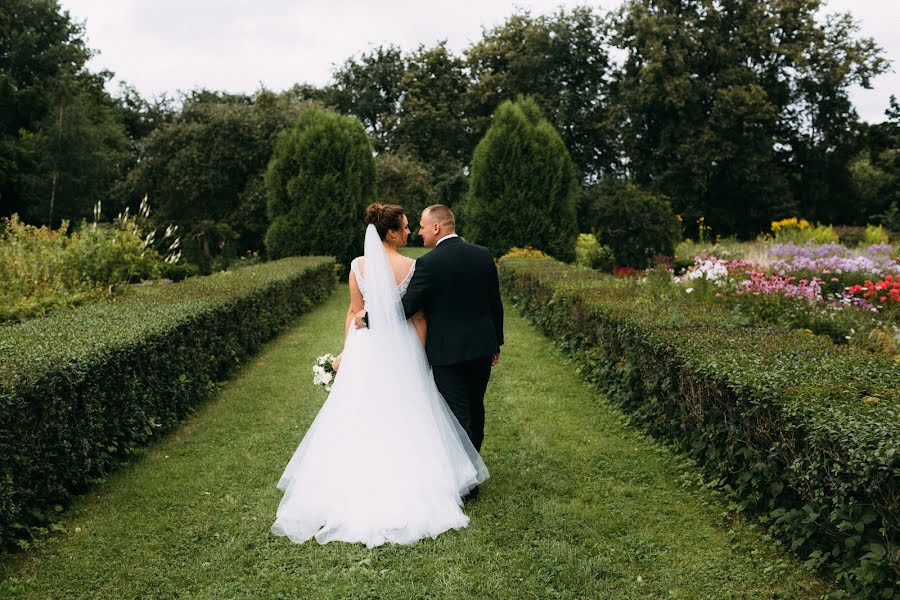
(578, 506)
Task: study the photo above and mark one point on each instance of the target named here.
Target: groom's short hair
(442, 215)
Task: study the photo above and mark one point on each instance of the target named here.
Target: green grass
(579, 505)
(414, 251)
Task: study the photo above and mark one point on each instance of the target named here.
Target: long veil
(386, 318)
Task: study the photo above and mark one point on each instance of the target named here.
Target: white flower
(689, 290)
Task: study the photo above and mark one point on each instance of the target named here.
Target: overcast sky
(240, 45)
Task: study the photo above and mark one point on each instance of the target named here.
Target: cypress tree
(319, 181)
(523, 185)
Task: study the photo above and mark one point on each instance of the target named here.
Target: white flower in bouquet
(323, 371)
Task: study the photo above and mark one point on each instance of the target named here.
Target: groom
(456, 284)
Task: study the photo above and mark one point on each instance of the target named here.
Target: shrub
(799, 231)
(850, 235)
(875, 234)
(523, 185)
(81, 391)
(799, 430)
(636, 225)
(591, 254)
(42, 270)
(526, 252)
(320, 180)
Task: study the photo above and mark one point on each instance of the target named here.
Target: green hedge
(802, 432)
(82, 389)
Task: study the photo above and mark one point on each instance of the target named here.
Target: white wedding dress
(384, 460)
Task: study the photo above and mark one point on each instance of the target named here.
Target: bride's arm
(356, 305)
(421, 325)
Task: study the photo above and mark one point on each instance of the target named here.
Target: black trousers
(462, 385)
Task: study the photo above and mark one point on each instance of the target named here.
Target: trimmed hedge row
(801, 431)
(81, 390)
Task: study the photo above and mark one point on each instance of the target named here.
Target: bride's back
(401, 266)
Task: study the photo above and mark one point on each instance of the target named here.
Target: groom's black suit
(456, 283)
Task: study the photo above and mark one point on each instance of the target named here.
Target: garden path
(579, 505)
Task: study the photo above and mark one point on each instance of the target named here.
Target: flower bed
(801, 431)
(81, 390)
(849, 295)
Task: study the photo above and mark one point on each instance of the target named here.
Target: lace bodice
(361, 282)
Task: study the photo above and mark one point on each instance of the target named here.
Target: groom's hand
(361, 319)
(495, 360)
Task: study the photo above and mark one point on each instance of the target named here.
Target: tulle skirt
(385, 460)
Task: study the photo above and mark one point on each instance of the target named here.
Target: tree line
(735, 111)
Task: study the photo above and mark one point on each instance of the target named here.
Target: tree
(371, 88)
(523, 185)
(204, 171)
(562, 62)
(141, 117)
(433, 126)
(319, 182)
(75, 154)
(875, 170)
(730, 108)
(405, 181)
(61, 142)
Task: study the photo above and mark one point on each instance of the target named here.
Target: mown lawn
(579, 505)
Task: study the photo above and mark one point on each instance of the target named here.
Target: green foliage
(561, 61)
(43, 269)
(876, 234)
(431, 125)
(798, 430)
(801, 232)
(205, 171)
(523, 185)
(635, 224)
(370, 88)
(319, 182)
(405, 181)
(62, 142)
(740, 112)
(591, 254)
(80, 391)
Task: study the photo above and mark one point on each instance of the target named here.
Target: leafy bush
(81, 391)
(876, 234)
(523, 185)
(591, 254)
(320, 180)
(799, 430)
(526, 252)
(850, 235)
(636, 225)
(42, 270)
(799, 231)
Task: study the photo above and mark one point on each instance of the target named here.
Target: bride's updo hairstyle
(385, 217)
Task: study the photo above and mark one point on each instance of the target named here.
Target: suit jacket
(456, 283)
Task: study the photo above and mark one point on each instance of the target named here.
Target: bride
(385, 460)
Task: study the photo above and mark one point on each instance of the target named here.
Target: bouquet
(323, 371)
